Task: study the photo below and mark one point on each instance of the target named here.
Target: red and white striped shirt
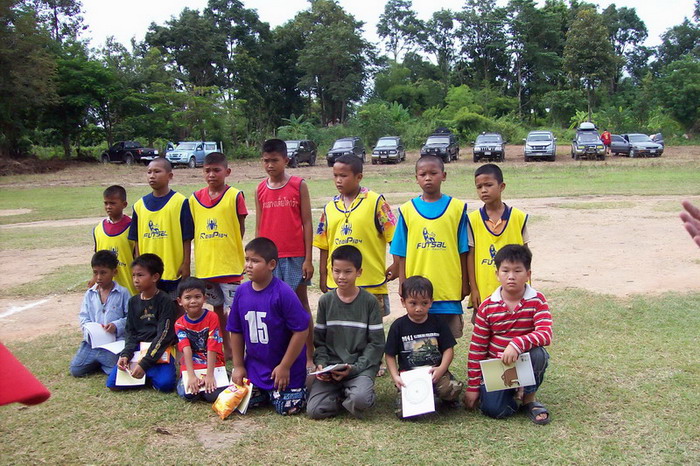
(527, 326)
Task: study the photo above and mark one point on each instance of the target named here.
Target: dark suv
(346, 146)
(129, 152)
(301, 151)
(442, 143)
(388, 149)
(489, 146)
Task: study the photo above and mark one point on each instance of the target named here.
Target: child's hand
(138, 372)
(340, 375)
(474, 316)
(238, 374)
(392, 272)
(398, 382)
(123, 364)
(184, 270)
(280, 377)
(209, 383)
(510, 355)
(437, 373)
(471, 399)
(110, 327)
(476, 300)
(193, 384)
(325, 377)
(307, 270)
(91, 282)
(322, 284)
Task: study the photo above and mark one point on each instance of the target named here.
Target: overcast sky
(125, 19)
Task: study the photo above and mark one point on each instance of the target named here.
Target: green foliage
(678, 90)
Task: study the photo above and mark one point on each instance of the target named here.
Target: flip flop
(534, 409)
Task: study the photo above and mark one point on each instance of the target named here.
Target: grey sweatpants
(325, 398)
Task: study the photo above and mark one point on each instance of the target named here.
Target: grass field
(623, 385)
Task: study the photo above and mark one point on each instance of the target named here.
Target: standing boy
(431, 241)
(150, 319)
(348, 332)
(490, 228)
(283, 214)
(106, 304)
(421, 339)
(162, 225)
(515, 319)
(199, 342)
(219, 212)
(269, 326)
(112, 234)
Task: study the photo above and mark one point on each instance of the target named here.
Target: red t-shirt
(280, 217)
(202, 335)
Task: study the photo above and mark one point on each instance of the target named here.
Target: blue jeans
(209, 397)
(88, 360)
(161, 376)
(501, 404)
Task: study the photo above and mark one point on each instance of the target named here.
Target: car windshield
(539, 138)
(292, 144)
(587, 137)
(342, 145)
(639, 138)
(488, 140)
(386, 143)
(186, 146)
(438, 140)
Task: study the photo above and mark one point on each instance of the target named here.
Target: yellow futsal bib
(160, 233)
(432, 248)
(123, 248)
(218, 247)
(357, 227)
(487, 244)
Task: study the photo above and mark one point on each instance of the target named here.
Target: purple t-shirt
(267, 319)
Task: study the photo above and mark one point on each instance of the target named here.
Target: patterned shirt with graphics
(417, 345)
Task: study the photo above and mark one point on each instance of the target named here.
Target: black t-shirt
(418, 344)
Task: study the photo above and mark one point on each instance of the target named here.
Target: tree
(62, 17)
(588, 54)
(678, 90)
(440, 40)
(682, 39)
(626, 34)
(399, 27)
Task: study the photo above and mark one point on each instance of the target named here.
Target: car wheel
(105, 158)
(527, 159)
(330, 163)
(192, 163)
(633, 154)
(312, 160)
(364, 157)
(476, 159)
(293, 162)
(575, 156)
(552, 158)
(129, 159)
(374, 162)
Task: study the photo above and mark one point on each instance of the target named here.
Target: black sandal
(534, 409)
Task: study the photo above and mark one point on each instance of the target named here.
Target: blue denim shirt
(112, 311)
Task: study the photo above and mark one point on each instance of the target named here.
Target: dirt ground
(623, 246)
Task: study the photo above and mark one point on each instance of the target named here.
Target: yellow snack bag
(229, 399)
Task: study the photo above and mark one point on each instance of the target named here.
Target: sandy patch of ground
(19, 267)
(8, 212)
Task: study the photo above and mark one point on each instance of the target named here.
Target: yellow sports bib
(218, 247)
(357, 227)
(123, 248)
(432, 248)
(486, 245)
(160, 233)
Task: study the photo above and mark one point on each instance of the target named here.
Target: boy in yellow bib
(162, 225)
(219, 212)
(431, 241)
(490, 228)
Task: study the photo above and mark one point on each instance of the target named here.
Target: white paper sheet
(332, 367)
(243, 405)
(417, 396)
(220, 376)
(98, 335)
(115, 347)
(124, 378)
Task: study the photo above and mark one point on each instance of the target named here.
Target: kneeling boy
(348, 331)
(515, 319)
(422, 339)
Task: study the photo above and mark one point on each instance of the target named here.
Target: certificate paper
(220, 376)
(417, 396)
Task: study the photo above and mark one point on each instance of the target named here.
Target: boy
(268, 323)
(349, 332)
(106, 304)
(112, 234)
(218, 213)
(199, 342)
(490, 228)
(283, 214)
(149, 319)
(515, 319)
(357, 216)
(162, 225)
(421, 339)
(431, 241)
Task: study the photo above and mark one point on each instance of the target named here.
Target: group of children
(142, 291)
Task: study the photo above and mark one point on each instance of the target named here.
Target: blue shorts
(289, 401)
(161, 376)
(289, 271)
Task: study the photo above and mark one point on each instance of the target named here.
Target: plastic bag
(229, 399)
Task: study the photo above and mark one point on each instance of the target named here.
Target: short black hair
(490, 169)
(515, 253)
(215, 158)
(150, 262)
(348, 253)
(104, 258)
(191, 283)
(275, 146)
(165, 162)
(115, 191)
(352, 161)
(263, 247)
(431, 158)
(417, 286)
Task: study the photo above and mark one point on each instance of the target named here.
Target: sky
(130, 18)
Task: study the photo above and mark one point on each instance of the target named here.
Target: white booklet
(499, 376)
(332, 367)
(417, 396)
(125, 379)
(243, 405)
(100, 338)
(220, 376)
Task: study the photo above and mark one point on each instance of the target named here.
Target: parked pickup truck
(191, 153)
(129, 152)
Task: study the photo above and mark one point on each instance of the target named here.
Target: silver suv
(540, 145)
